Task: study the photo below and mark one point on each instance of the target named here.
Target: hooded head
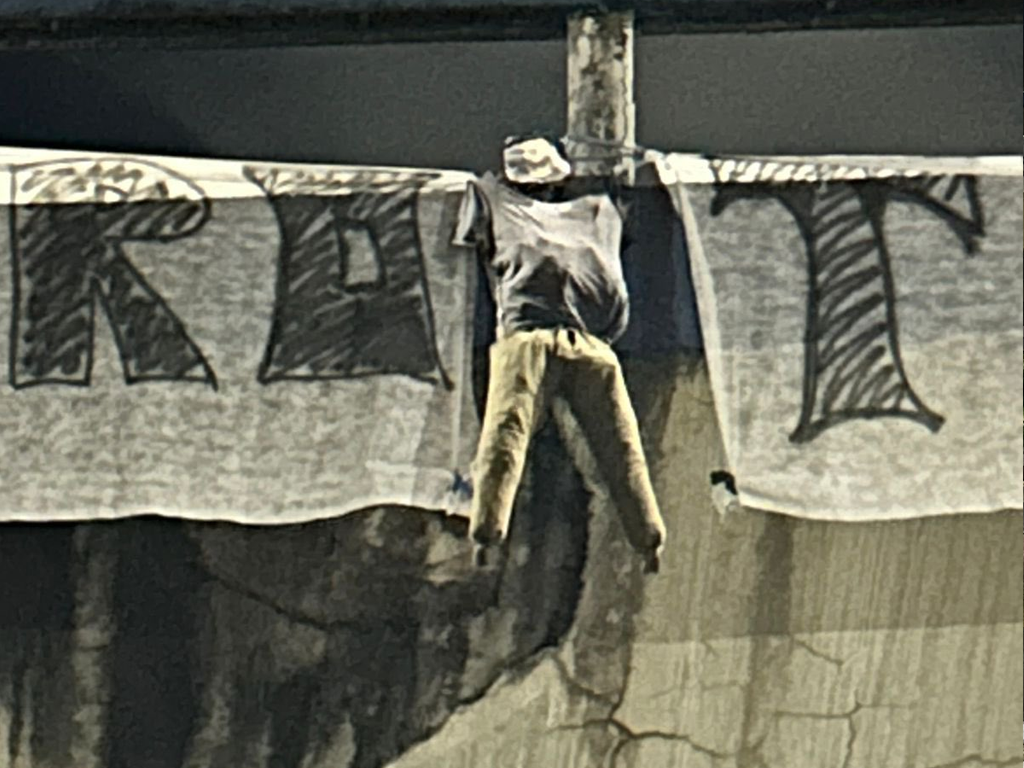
(535, 160)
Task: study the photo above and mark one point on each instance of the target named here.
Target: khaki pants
(527, 370)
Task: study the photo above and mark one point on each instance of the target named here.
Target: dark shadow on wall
(70, 100)
(435, 106)
(376, 622)
(153, 658)
(36, 617)
(663, 317)
(924, 91)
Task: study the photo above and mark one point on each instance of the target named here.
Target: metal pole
(602, 114)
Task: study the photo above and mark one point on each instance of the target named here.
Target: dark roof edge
(172, 24)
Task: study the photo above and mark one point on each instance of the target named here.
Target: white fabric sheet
(862, 321)
(221, 340)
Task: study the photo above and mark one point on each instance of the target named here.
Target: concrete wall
(764, 642)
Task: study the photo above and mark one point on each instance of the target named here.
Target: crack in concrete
(819, 654)
(853, 735)
(663, 692)
(628, 736)
(817, 715)
(849, 718)
(584, 690)
(718, 686)
(977, 758)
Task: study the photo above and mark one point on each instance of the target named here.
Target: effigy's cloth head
(535, 160)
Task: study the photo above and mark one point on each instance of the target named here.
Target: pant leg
(515, 403)
(595, 389)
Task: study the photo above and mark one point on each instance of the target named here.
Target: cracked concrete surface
(691, 689)
(683, 707)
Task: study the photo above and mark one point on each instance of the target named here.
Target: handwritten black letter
(69, 222)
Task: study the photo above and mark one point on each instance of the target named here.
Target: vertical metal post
(602, 114)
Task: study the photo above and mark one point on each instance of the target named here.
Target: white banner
(218, 340)
(862, 321)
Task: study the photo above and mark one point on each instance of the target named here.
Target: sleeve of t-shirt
(471, 216)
